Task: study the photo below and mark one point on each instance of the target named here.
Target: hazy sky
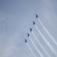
(16, 17)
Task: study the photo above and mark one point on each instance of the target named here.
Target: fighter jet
(30, 29)
(33, 22)
(25, 40)
(36, 15)
(28, 34)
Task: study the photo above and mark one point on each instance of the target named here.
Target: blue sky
(16, 17)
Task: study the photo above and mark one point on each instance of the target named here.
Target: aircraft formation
(28, 35)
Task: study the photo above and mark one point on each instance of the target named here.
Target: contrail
(45, 39)
(30, 50)
(36, 48)
(51, 37)
(35, 37)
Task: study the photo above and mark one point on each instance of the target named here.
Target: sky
(16, 18)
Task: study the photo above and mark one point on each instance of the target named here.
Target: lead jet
(36, 15)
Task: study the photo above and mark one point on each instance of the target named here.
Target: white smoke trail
(51, 37)
(38, 51)
(52, 49)
(35, 37)
(30, 50)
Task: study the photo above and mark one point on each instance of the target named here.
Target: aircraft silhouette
(33, 22)
(36, 15)
(28, 34)
(30, 29)
(25, 40)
